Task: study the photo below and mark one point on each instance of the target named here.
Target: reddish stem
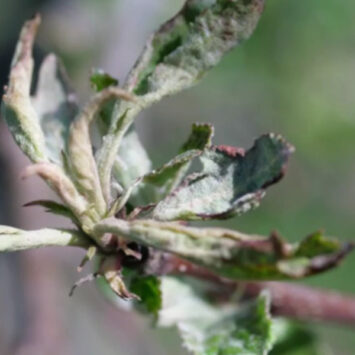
(288, 300)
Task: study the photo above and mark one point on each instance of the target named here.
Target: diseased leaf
(101, 80)
(131, 163)
(17, 108)
(56, 106)
(229, 182)
(80, 147)
(132, 160)
(192, 42)
(175, 57)
(111, 270)
(216, 330)
(169, 176)
(13, 239)
(62, 185)
(147, 288)
(232, 254)
(55, 208)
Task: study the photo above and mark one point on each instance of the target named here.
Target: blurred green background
(295, 76)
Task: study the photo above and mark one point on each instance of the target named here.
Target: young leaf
(17, 108)
(175, 57)
(55, 208)
(192, 42)
(62, 185)
(131, 162)
(83, 164)
(101, 80)
(147, 288)
(229, 183)
(161, 182)
(232, 254)
(56, 106)
(207, 329)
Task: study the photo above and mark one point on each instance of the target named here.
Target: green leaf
(147, 288)
(101, 80)
(295, 339)
(191, 43)
(162, 181)
(55, 208)
(229, 182)
(56, 106)
(17, 108)
(232, 254)
(216, 330)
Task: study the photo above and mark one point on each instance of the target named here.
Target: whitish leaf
(232, 254)
(62, 185)
(192, 42)
(82, 161)
(17, 108)
(162, 181)
(55, 104)
(131, 163)
(132, 160)
(206, 329)
(175, 57)
(13, 239)
(229, 182)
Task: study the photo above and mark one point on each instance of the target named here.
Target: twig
(288, 300)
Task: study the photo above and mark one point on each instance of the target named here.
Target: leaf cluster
(128, 214)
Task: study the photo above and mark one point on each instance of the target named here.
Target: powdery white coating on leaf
(17, 108)
(228, 183)
(232, 254)
(157, 184)
(175, 58)
(216, 330)
(56, 106)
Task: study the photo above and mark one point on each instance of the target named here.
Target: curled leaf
(232, 254)
(131, 163)
(229, 183)
(175, 57)
(56, 106)
(61, 183)
(111, 269)
(192, 42)
(82, 161)
(13, 239)
(17, 108)
(162, 181)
